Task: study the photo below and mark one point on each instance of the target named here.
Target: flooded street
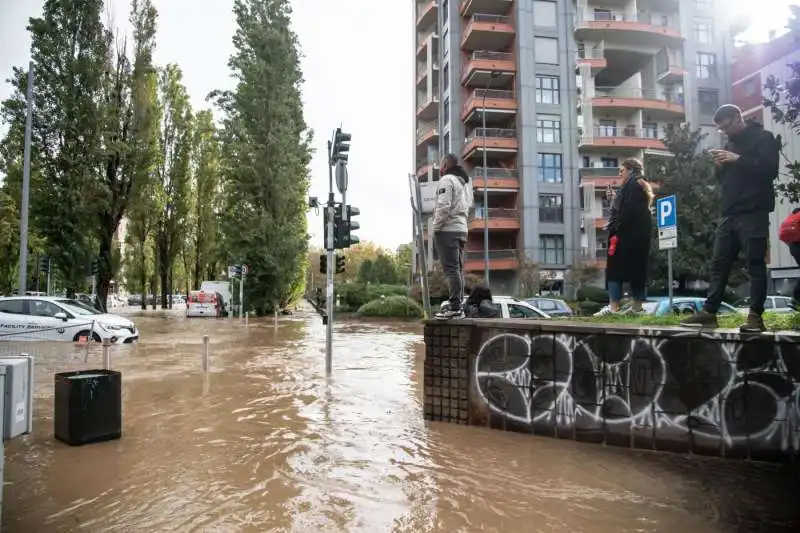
(265, 443)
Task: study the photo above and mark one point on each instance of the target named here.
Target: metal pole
(329, 273)
(26, 188)
(669, 275)
(485, 191)
(426, 295)
(106, 354)
(49, 271)
(29, 399)
(241, 298)
(205, 353)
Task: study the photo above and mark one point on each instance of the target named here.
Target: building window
(547, 88)
(548, 131)
(703, 31)
(544, 14)
(446, 111)
(706, 65)
(551, 208)
(650, 130)
(546, 50)
(445, 43)
(708, 102)
(446, 143)
(703, 4)
(550, 168)
(446, 76)
(444, 11)
(551, 249)
(609, 162)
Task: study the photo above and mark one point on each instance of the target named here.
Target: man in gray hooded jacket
(450, 219)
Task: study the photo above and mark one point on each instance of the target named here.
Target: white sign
(427, 199)
(245, 270)
(668, 233)
(233, 271)
(667, 221)
(669, 243)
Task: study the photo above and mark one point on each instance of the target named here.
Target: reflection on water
(265, 443)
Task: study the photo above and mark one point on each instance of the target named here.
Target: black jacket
(632, 223)
(747, 185)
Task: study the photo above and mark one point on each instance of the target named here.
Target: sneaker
(448, 314)
(701, 319)
(753, 324)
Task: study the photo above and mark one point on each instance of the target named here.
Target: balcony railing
(595, 52)
(429, 160)
(497, 213)
(494, 94)
(501, 173)
(601, 253)
(422, 132)
(424, 6)
(653, 19)
(502, 133)
(632, 92)
(491, 19)
(551, 215)
(474, 255)
(629, 132)
(605, 212)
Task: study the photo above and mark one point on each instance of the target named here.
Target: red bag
(612, 245)
(790, 229)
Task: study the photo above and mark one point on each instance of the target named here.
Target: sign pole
(667, 221)
(669, 275)
(241, 297)
(329, 272)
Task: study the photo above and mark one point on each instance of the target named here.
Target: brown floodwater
(266, 443)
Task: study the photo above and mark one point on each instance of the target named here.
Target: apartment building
(543, 99)
(754, 64)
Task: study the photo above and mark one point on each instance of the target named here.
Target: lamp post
(492, 76)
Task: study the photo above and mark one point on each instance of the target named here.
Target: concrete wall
(671, 389)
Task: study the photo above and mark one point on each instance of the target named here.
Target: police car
(51, 318)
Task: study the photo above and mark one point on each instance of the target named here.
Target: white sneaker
(448, 314)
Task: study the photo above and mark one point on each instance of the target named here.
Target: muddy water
(265, 443)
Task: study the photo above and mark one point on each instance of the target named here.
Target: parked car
(202, 303)
(773, 304)
(680, 305)
(552, 306)
(510, 307)
(61, 319)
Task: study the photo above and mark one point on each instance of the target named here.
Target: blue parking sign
(666, 212)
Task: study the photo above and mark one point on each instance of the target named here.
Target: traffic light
(339, 264)
(338, 228)
(323, 263)
(95, 267)
(341, 146)
(44, 264)
(352, 225)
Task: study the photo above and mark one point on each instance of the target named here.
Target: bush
(438, 286)
(588, 308)
(593, 294)
(392, 307)
(354, 295)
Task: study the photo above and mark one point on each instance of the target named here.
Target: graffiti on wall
(712, 385)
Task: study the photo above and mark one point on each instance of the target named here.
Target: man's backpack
(790, 228)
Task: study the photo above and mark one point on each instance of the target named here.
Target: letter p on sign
(666, 212)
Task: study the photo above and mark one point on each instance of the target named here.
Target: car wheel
(95, 336)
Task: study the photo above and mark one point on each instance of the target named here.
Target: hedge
(354, 295)
(392, 307)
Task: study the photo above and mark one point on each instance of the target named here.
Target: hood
(751, 128)
(458, 170)
(112, 320)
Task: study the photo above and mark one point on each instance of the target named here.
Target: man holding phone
(746, 170)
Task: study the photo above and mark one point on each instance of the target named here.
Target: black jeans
(794, 249)
(747, 232)
(450, 247)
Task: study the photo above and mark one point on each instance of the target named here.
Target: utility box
(88, 406)
(2, 447)
(18, 395)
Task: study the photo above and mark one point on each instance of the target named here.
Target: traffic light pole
(329, 273)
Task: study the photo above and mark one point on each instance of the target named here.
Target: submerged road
(265, 443)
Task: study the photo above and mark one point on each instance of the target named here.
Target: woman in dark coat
(629, 232)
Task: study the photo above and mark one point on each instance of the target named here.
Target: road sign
(245, 270)
(234, 271)
(666, 212)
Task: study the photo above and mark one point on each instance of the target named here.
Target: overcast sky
(358, 69)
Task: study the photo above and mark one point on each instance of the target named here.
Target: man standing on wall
(746, 170)
(450, 218)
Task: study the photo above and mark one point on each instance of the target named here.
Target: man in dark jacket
(746, 170)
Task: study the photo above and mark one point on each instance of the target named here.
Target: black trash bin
(88, 406)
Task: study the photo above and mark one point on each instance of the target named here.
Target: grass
(773, 321)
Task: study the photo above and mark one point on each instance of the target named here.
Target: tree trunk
(170, 285)
(163, 267)
(104, 265)
(143, 274)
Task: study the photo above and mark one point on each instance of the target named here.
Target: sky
(358, 72)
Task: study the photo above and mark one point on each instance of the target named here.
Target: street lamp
(492, 76)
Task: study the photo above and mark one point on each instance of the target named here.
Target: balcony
(422, 76)
(498, 218)
(619, 28)
(499, 106)
(497, 179)
(498, 260)
(495, 141)
(427, 166)
(630, 138)
(671, 74)
(491, 7)
(623, 99)
(424, 42)
(427, 134)
(428, 109)
(593, 173)
(426, 13)
(486, 69)
(594, 58)
(488, 32)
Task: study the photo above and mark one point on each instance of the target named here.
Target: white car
(510, 307)
(51, 318)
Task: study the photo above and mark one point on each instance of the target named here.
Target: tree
(784, 103)
(266, 147)
(173, 174)
(582, 273)
(689, 174)
(9, 242)
(356, 255)
(530, 280)
(206, 168)
(404, 258)
(365, 274)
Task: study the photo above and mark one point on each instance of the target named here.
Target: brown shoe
(753, 324)
(701, 319)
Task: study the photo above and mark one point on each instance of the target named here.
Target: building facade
(543, 99)
(751, 70)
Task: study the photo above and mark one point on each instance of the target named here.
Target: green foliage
(392, 307)
(592, 294)
(773, 321)
(784, 103)
(382, 270)
(353, 295)
(9, 242)
(266, 151)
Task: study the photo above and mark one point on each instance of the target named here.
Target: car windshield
(78, 308)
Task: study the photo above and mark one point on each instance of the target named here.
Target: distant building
(753, 66)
